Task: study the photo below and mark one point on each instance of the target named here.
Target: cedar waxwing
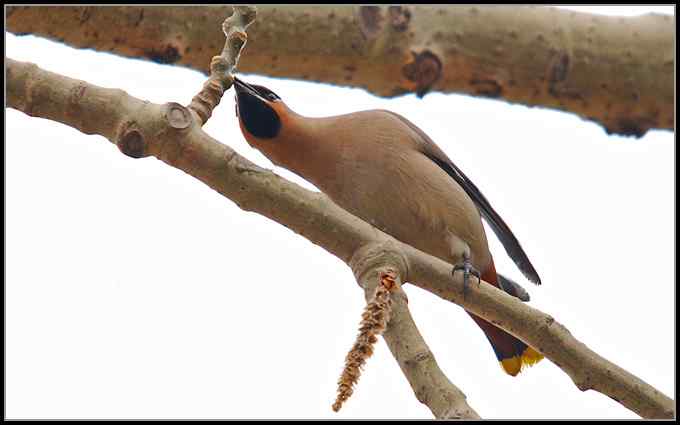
(382, 168)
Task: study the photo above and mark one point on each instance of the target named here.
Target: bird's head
(288, 139)
(260, 111)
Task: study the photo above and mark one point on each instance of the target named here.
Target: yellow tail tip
(514, 365)
(511, 365)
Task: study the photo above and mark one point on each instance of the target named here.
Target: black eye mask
(259, 119)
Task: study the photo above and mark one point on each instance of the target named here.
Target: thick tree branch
(616, 71)
(170, 133)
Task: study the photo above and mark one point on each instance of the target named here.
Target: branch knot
(131, 141)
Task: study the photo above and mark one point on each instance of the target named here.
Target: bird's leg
(467, 269)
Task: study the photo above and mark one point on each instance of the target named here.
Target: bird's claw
(467, 269)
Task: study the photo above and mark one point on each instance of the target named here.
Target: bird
(382, 168)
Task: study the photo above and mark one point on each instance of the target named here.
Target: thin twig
(222, 67)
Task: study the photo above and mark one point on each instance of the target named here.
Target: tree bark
(616, 71)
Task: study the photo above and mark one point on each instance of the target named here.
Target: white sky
(135, 291)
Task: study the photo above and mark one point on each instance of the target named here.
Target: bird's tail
(513, 354)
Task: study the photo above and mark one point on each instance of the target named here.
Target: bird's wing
(502, 231)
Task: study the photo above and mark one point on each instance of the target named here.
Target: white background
(135, 291)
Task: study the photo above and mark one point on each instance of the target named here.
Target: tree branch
(587, 369)
(170, 133)
(616, 71)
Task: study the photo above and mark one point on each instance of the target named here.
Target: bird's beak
(242, 88)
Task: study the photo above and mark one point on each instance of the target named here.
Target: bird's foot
(467, 269)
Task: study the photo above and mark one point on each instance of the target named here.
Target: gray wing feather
(502, 231)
